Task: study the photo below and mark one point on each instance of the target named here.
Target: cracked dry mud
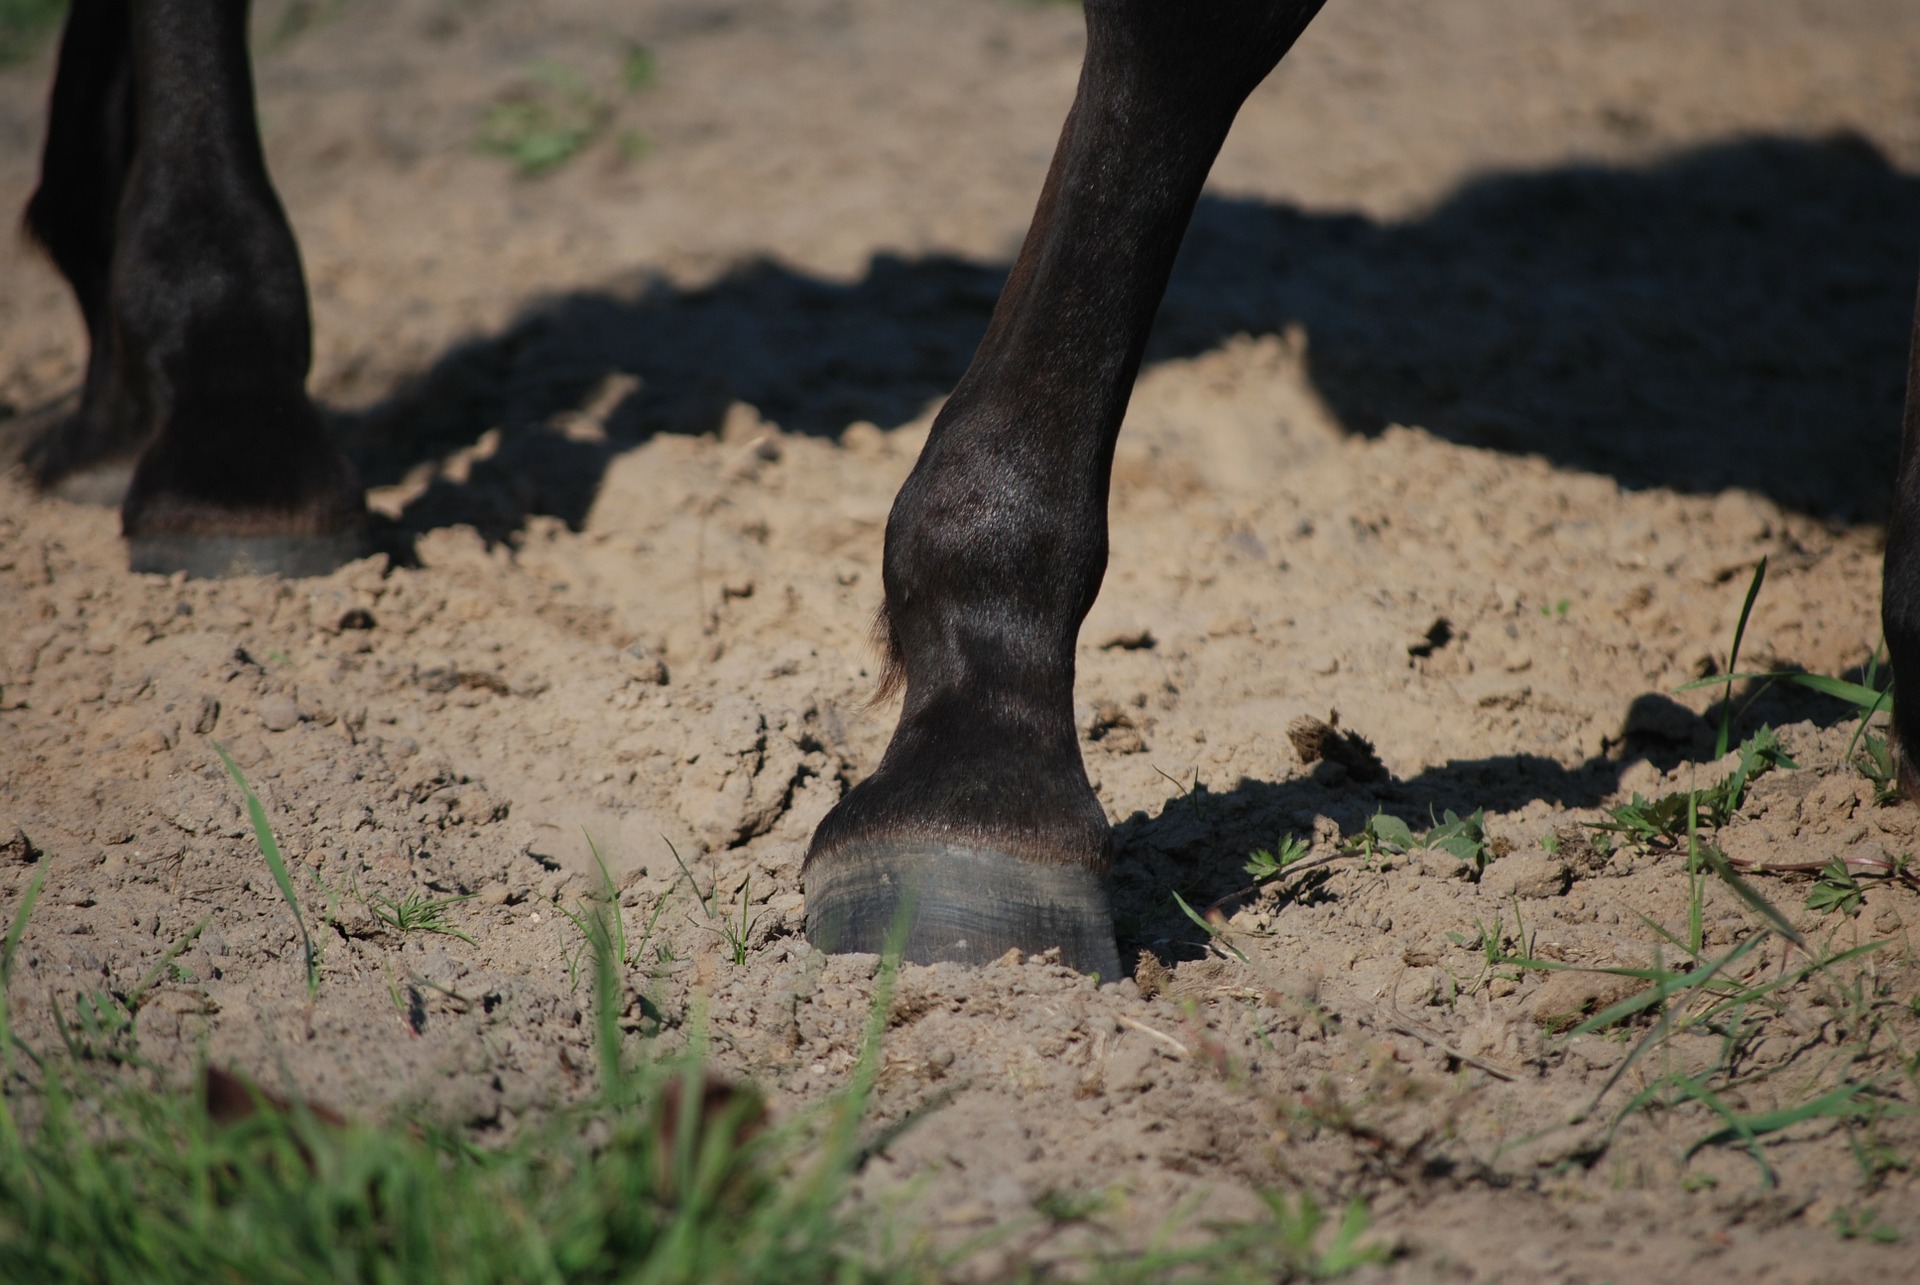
(1546, 321)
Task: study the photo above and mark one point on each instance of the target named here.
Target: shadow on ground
(1734, 316)
(1197, 843)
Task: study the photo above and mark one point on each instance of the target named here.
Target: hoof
(957, 904)
(214, 557)
(101, 486)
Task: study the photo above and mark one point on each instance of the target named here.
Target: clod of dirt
(1438, 635)
(232, 1098)
(1150, 975)
(1113, 727)
(278, 712)
(641, 665)
(1526, 874)
(1315, 740)
(1568, 998)
(1131, 640)
(17, 848)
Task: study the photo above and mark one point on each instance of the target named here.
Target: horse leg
(206, 319)
(979, 831)
(72, 215)
(1900, 583)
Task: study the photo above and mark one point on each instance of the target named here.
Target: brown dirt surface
(1546, 321)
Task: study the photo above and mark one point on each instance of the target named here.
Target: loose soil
(1545, 321)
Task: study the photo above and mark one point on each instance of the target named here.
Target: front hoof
(215, 557)
(957, 904)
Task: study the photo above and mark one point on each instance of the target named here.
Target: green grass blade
(612, 897)
(1674, 984)
(9, 1132)
(270, 849)
(1733, 656)
(153, 975)
(1717, 862)
(691, 881)
(1837, 1104)
(1213, 934)
(1866, 698)
(1736, 1127)
(1856, 694)
(19, 926)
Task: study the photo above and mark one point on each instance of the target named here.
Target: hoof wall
(959, 905)
(215, 557)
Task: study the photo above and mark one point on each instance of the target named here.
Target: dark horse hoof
(212, 557)
(957, 904)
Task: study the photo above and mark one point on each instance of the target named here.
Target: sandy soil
(1547, 321)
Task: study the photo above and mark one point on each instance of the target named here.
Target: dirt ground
(1543, 320)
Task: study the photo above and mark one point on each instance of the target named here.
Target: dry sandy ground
(1547, 320)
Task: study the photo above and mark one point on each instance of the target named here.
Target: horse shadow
(1735, 315)
(1197, 843)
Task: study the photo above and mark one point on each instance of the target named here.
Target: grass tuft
(418, 913)
(663, 1175)
(557, 113)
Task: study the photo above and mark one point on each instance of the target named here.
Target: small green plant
(1663, 822)
(1875, 762)
(546, 122)
(419, 913)
(103, 1026)
(1195, 794)
(1837, 891)
(1382, 833)
(1266, 866)
(637, 72)
(1292, 1239)
(1725, 996)
(1870, 698)
(556, 114)
(736, 932)
(1864, 1222)
(1463, 837)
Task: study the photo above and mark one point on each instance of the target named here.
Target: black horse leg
(206, 323)
(72, 214)
(1900, 583)
(978, 831)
